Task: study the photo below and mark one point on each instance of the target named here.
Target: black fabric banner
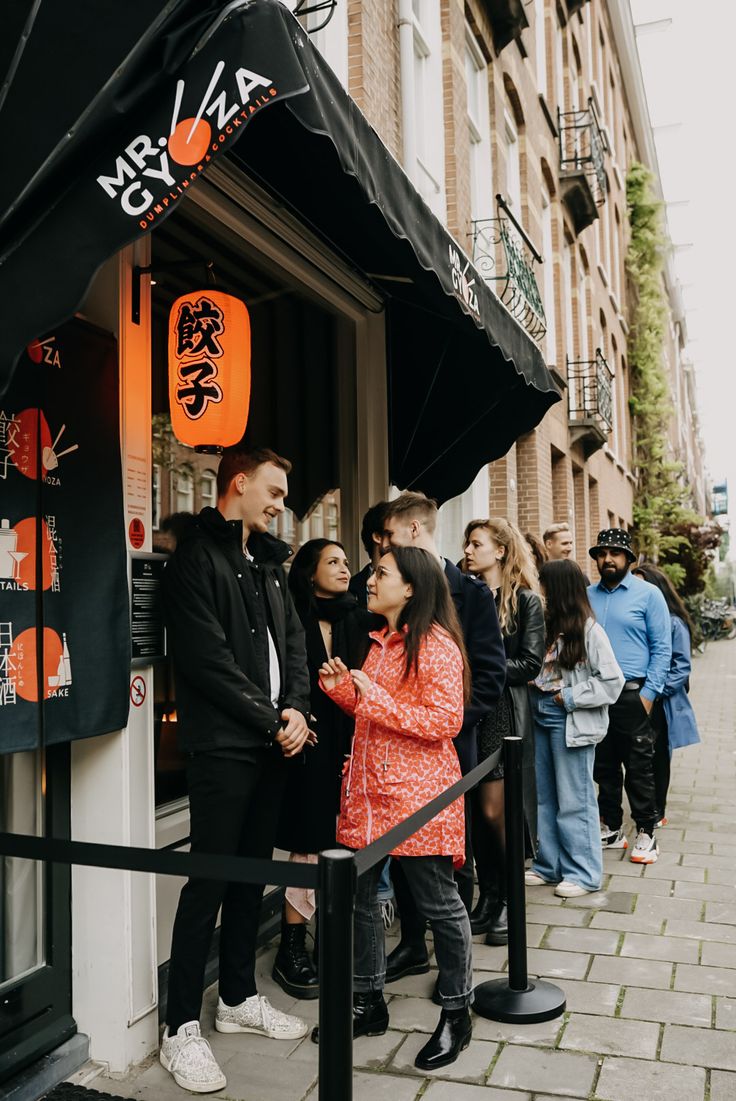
(64, 630)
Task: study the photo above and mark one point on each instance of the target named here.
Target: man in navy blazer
(410, 521)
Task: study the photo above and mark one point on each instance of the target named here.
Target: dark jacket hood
(265, 548)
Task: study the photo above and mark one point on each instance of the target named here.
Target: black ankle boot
(293, 970)
(407, 958)
(498, 933)
(370, 1016)
(481, 915)
(451, 1036)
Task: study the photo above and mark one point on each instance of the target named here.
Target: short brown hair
(555, 529)
(244, 460)
(414, 506)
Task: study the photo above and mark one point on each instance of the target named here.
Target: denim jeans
(569, 828)
(436, 896)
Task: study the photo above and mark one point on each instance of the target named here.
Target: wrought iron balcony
(590, 401)
(583, 149)
(505, 257)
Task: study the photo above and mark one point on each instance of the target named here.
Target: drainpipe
(408, 108)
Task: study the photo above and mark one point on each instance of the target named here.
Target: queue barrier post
(516, 999)
(337, 884)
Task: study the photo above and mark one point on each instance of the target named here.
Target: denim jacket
(682, 728)
(589, 688)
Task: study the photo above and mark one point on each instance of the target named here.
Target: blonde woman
(497, 551)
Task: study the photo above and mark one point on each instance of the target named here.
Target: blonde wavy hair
(517, 567)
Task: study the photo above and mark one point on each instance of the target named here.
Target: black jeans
(628, 743)
(234, 809)
(661, 758)
(434, 890)
(413, 924)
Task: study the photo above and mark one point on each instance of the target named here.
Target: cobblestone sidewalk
(648, 966)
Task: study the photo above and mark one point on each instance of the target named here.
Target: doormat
(67, 1091)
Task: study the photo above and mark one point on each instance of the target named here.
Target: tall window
(616, 258)
(183, 490)
(208, 489)
(429, 129)
(567, 279)
(156, 497)
(513, 165)
(332, 39)
(559, 67)
(583, 281)
(548, 272)
(540, 45)
(479, 129)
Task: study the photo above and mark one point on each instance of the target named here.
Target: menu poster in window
(147, 630)
(64, 626)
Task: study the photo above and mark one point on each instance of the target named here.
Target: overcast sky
(689, 67)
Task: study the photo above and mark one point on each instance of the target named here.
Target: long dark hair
(567, 609)
(655, 576)
(430, 605)
(302, 570)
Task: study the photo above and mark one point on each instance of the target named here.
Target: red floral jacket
(403, 754)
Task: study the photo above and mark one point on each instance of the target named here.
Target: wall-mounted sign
(209, 369)
(147, 631)
(64, 639)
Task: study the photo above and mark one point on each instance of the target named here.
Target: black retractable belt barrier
(516, 999)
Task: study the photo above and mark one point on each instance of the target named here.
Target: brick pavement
(648, 966)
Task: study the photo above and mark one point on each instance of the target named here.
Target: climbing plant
(661, 499)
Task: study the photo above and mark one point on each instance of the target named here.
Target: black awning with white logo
(465, 379)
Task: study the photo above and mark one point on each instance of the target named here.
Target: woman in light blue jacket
(570, 699)
(673, 717)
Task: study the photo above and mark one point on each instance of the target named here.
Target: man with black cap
(636, 620)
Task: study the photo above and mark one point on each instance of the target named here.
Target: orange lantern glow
(209, 369)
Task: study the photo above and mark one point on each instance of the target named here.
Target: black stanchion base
(541, 1001)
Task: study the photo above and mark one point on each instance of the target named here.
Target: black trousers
(234, 809)
(413, 924)
(629, 745)
(661, 757)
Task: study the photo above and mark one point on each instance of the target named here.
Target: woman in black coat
(496, 550)
(334, 626)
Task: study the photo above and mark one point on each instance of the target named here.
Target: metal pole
(515, 892)
(337, 880)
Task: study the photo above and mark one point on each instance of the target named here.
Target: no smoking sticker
(137, 691)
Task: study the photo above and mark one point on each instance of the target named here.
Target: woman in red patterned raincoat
(407, 701)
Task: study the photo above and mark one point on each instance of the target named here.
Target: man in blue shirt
(635, 617)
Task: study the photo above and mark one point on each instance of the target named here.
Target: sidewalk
(648, 966)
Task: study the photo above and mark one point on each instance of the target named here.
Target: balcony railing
(590, 398)
(583, 148)
(505, 257)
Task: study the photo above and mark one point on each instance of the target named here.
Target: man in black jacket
(242, 693)
(411, 520)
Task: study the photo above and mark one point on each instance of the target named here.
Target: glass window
(479, 130)
(156, 497)
(513, 166)
(21, 881)
(548, 275)
(208, 489)
(540, 43)
(183, 490)
(429, 134)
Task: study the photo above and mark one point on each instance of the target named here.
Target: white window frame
(513, 165)
(208, 500)
(569, 315)
(331, 40)
(479, 129)
(429, 173)
(559, 68)
(177, 476)
(548, 278)
(156, 472)
(540, 44)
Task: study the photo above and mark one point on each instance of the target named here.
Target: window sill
(547, 114)
(614, 303)
(603, 274)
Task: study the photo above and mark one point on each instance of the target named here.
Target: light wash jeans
(569, 829)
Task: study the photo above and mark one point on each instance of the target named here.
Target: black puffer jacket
(222, 696)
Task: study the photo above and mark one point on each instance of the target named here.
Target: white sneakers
(188, 1056)
(613, 839)
(533, 880)
(645, 850)
(256, 1014)
(566, 889)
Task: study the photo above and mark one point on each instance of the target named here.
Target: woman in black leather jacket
(496, 550)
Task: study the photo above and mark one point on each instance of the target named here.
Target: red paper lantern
(209, 369)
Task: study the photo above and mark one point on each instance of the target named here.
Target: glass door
(35, 928)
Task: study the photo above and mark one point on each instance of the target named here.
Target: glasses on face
(381, 571)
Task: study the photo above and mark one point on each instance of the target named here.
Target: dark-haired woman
(672, 716)
(580, 677)
(407, 701)
(334, 624)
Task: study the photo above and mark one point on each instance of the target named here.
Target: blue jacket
(682, 728)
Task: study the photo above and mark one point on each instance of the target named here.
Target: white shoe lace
(194, 1052)
(273, 1019)
(644, 841)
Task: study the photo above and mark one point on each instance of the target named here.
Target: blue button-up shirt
(635, 617)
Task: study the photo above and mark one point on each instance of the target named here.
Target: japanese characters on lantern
(209, 369)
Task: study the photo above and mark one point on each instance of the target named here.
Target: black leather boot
(451, 1036)
(407, 958)
(498, 932)
(370, 1016)
(482, 913)
(293, 970)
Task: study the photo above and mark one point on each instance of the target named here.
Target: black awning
(465, 379)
